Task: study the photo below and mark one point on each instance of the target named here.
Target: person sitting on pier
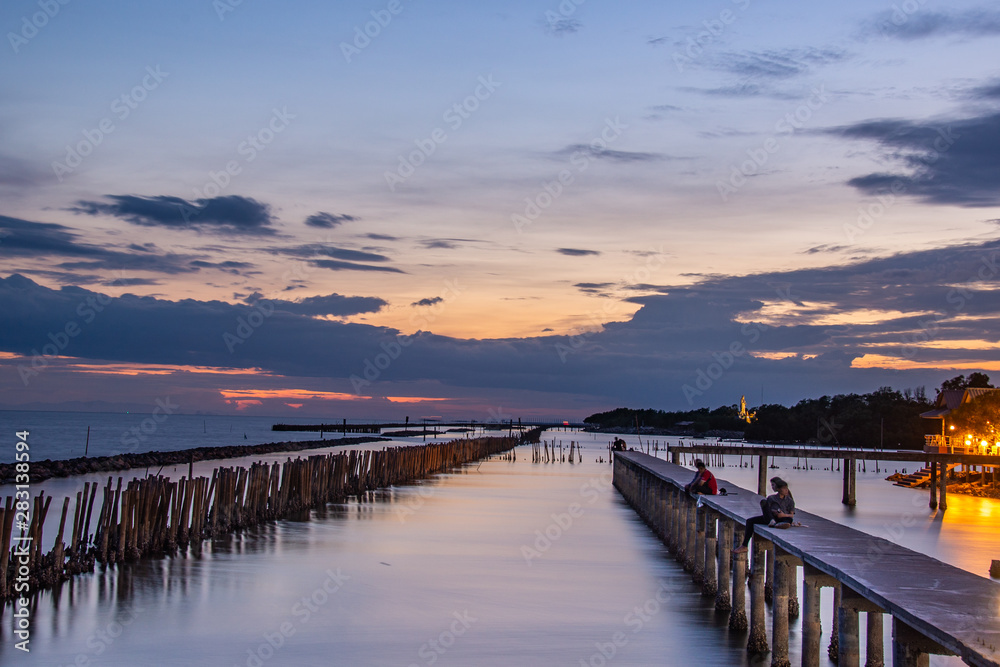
(777, 510)
(704, 481)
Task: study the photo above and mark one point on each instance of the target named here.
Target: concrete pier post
(793, 596)
(762, 475)
(943, 493)
(909, 648)
(723, 600)
(934, 474)
(668, 517)
(769, 578)
(690, 548)
(757, 642)
(874, 649)
(784, 573)
(710, 581)
(812, 625)
(738, 613)
(848, 640)
(700, 519)
(682, 527)
(834, 648)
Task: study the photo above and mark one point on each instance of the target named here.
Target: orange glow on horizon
(239, 395)
(897, 363)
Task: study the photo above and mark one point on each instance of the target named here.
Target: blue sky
(577, 206)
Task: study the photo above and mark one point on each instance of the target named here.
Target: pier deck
(935, 607)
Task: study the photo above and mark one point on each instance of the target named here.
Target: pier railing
(934, 608)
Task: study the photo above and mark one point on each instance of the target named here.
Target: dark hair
(778, 482)
(698, 463)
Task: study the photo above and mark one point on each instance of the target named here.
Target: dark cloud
(231, 214)
(988, 92)
(576, 252)
(381, 237)
(428, 302)
(27, 239)
(951, 162)
(128, 282)
(562, 26)
(678, 332)
(324, 220)
(825, 248)
(330, 304)
(612, 155)
(777, 63)
(335, 252)
(899, 24)
(337, 265)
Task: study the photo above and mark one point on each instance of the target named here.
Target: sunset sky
(482, 210)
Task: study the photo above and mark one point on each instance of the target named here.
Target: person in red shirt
(703, 482)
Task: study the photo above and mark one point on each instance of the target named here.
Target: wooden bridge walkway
(935, 608)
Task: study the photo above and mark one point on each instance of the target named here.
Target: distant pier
(937, 462)
(934, 608)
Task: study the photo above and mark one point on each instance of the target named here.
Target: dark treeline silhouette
(886, 416)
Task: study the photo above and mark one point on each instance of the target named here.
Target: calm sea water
(454, 572)
(63, 435)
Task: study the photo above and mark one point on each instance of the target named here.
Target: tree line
(886, 417)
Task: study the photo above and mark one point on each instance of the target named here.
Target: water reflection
(389, 579)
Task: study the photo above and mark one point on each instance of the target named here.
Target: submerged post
(701, 518)
(874, 649)
(934, 470)
(762, 475)
(849, 483)
(943, 477)
(812, 625)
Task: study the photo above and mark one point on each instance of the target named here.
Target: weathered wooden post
(710, 582)
(943, 493)
(762, 475)
(691, 546)
(757, 641)
(723, 599)
(849, 498)
(738, 614)
(933, 485)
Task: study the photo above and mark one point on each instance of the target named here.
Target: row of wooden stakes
(154, 515)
